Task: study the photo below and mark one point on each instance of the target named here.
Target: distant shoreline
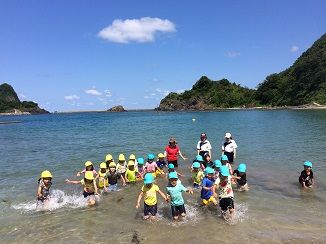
(300, 107)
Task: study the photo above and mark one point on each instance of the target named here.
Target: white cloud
(136, 30)
(71, 97)
(294, 49)
(232, 54)
(93, 92)
(107, 93)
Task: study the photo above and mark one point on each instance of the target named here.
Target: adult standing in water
(204, 146)
(172, 151)
(229, 147)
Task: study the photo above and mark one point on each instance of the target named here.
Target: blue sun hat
(171, 166)
(148, 179)
(173, 175)
(199, 158)
(217, 163)
(150, 156)
(308, 164)
(209, 170)
(224, 171)
(242, 168)
(196, 165)
(140, 161)
(224, 157)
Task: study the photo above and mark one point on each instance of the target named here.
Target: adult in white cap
(229, 147)
(204, 146)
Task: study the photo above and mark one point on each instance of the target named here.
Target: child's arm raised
(139, 198)
(72, 181)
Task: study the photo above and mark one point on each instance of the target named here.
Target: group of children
(214, 179)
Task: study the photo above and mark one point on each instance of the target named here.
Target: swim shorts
(177, 210)
(226, 203)
(150, 209)
(209, 200)
(86, 194)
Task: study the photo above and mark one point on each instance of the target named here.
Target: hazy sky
(92, 55)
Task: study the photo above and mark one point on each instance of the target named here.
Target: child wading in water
(44, 184)
(225, 193)
(89, 186)
(113, 177)
(197, 174)
(208, 188)
(102, 182)
(88, 167)
(241, 177)
(306, 178)
(174, 194)
(148, 191)
(132, 173)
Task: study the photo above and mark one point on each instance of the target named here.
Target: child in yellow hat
(132, 174)
(102, 179)
(89, 187)
(122, 165)
(88, 167)
(44, 184)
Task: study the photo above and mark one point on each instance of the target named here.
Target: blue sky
(92, 55)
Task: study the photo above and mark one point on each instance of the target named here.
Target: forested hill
(303, 83)
(9, 101)
(209, 94)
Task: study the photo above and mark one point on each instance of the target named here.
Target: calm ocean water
(273, 144)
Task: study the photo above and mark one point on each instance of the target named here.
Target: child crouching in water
(44, 184)
(174, 194)
(225, 193)
(240, 175)
(306, 178)
(148, 191)
(89, 186)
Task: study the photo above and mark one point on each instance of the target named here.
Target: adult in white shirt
(229, 147)
(204, 146)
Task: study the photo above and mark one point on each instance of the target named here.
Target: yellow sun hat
(88, 163)
(112, 165)
(132, 157)
(103, 165)
(122, 157)
(46, 174)
(89, 175)
(160, 155)
(131, 163)
(108, 157)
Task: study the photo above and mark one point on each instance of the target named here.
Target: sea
(273, 143)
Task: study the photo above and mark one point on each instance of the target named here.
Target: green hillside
(10, 101)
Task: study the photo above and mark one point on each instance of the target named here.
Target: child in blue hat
(174, 194)
(207, 193)
(241, 177)
(306, 178)
(148, 191)
(225, 193)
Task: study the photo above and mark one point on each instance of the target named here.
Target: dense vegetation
(10, 101)
(209, 94)
(303, 83)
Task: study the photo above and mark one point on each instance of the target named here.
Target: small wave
(58, 200)
(240, 214)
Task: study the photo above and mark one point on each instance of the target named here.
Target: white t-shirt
(204, 146)
(229, 147)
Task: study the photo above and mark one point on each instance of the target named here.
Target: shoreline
(300, 107)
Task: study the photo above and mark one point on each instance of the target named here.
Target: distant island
(118, 108)
(303, 85)
(10, 103)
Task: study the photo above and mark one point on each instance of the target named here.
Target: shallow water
(274, 144)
